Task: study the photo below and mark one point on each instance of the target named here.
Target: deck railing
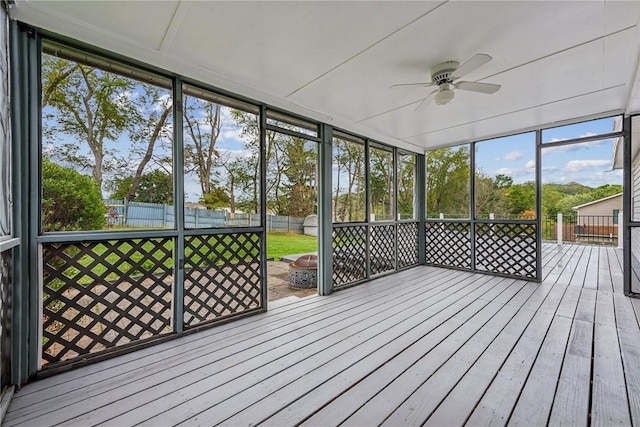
(590, 229)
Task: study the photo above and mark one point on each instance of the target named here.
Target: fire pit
(303, 272)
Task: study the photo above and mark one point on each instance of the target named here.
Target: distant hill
(569, 189)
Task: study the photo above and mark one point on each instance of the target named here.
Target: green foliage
(70, 201)
(381, 183)
(154, 187)
(448, 181)
(348, 183)
(520, 198)
(217, 198)
(568, 189)
(406, 186)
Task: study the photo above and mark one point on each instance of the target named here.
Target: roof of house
(597, 201)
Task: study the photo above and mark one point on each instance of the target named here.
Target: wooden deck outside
(427, 345)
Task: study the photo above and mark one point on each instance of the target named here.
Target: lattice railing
(98, 295)
(507, 249)
(349, 254)
(382, 248)
(221, 276)
(407, 244)
(448, 244)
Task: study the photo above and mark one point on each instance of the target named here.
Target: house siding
(603, 208)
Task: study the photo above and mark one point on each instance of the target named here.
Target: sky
(586, 163)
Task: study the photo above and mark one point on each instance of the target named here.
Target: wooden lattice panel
(407, 244)
(507, 249)
(98, 295)
(382, 247)
(349, 254)
(221, 276)
(448, 244)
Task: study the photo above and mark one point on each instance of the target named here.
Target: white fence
(122, 213)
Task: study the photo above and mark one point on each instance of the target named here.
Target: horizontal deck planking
(426, 345)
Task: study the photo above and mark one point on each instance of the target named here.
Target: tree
(521, 198)
(448, 181)
(348, 199)
(247, 174)
(215, 199)
(203, 125)
(406, 184)
(97, 108)
(153, 187)
(148, 125)
(301, 188)
(85, 104)
(70, 201)
(381, 183)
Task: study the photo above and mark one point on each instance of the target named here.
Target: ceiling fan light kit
(444, 96)
(445, 74)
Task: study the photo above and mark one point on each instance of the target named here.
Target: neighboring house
(598, 219)
(607, 206)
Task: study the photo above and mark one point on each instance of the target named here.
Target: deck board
(426, 346)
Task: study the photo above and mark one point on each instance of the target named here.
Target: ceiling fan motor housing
(441, 72)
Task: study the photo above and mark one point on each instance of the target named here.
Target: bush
(70, 201)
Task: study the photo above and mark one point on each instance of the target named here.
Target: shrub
(70, 201)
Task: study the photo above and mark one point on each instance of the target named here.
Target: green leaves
(70, 201)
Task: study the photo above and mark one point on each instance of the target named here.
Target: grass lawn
(281, 244)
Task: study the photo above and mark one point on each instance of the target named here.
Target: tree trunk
(147, 154)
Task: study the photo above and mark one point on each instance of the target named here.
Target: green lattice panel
(98, 295)
(448, 244)
(507, 249)
(349, 251)
(382, 246)
(407, 244)
(222, 276)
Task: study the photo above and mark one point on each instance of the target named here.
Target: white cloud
(518, 174)
(233, 133)
(573, 147)
(511, 156)
(236, 154)
(530, 164)
(514, 155)
(580, 165)
(591, 177)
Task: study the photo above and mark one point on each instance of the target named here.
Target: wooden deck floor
(425, 346)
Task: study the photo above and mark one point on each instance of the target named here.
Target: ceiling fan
(445, 74)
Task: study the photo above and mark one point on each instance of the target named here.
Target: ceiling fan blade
(476, 62)
(411, 85)
(425, 101)
(487, 88)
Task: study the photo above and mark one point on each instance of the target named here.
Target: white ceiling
(334, 61)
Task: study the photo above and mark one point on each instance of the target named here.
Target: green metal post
(25, 71)
(34, 160)
(539, 205)
(325, 220)
(627, 206)
(178, 206)
(263, 205)
(20, 279)
(420, 193)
